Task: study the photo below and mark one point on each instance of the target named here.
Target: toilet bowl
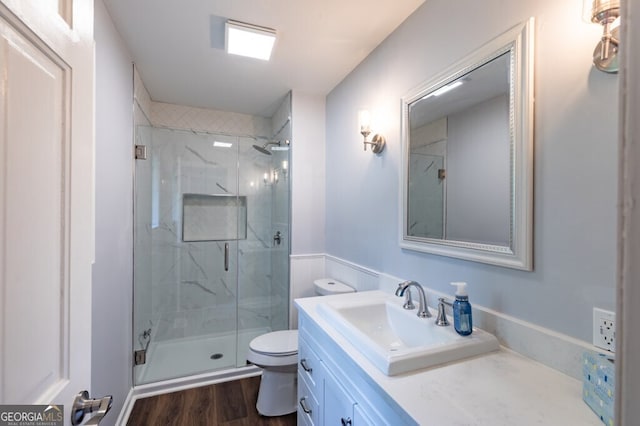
(277, 354)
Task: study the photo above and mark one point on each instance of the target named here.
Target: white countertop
(500, 388)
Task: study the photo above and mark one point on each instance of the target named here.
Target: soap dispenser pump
(462, 321)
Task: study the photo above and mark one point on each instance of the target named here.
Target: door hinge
(140, 357)
(141, 152)
(442, 174)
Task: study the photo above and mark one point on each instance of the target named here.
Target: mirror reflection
(467, 146)
(459, 184)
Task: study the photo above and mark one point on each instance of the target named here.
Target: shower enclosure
(211, 249)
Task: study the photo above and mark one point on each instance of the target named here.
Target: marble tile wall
(208, 120)
(191, 294)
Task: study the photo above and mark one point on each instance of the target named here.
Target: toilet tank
(329, 286)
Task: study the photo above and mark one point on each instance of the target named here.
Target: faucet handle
(441, 320)
(408, 301)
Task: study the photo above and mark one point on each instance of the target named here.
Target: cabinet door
(337, 405)
(362, 418)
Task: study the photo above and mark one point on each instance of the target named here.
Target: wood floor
(230, 403)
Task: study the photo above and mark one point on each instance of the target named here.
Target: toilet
(277, 354)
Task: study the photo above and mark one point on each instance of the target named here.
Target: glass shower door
(189, 219)
(427, 185)
(263, 257)
(211, 253)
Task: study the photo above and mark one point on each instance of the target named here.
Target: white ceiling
(178, 47)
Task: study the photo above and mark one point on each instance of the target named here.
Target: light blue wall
(575, 161)
(112, 271)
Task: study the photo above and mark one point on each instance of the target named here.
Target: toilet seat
(278, 343)
(276, 349)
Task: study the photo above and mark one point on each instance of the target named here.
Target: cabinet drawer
(308, 407)
(309, 366)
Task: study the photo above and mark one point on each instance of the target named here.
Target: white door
(46, 200)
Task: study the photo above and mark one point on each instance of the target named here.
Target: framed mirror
(467, 145)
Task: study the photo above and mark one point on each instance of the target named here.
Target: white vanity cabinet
(332, 390)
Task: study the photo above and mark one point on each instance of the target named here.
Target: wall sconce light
(607, 14)
(378, 141)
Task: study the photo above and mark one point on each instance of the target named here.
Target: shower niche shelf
(213, 217)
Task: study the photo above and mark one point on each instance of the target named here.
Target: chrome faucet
(423, 312)
(408, 301)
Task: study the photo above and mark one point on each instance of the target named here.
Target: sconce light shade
(378, 141)
(607, 14)
(604, 9)
(364, 121)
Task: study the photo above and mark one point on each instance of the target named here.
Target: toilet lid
(276, 343)
(329, 286)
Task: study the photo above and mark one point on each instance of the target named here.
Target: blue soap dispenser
(462, 310)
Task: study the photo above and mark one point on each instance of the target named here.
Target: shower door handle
(226, 256)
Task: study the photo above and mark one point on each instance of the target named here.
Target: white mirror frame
(519, 40)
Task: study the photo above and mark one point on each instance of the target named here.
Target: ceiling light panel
(249, 40)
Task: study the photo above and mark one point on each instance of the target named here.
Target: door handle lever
(83, 405)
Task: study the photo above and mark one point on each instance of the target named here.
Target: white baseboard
(127, 406)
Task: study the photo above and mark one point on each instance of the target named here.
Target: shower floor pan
(172, 359)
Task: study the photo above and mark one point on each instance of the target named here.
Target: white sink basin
(395, 340)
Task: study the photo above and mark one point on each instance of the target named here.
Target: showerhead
(263, 149)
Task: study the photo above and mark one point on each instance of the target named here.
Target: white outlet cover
(604, 329)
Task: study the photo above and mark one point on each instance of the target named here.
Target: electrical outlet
(604, 329)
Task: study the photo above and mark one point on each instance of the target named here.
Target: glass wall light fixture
(607, 14)
(249, 40)
(377, 141)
